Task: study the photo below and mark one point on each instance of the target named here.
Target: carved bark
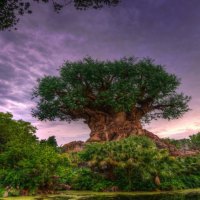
(119, 126)
(107, 128)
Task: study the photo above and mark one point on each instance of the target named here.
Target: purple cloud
(167, 30)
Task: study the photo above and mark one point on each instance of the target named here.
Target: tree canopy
(25, 163)
(11, 130)
(12, 10)
(140, 88)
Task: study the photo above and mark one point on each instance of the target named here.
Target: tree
(12, 10)
(192, 143)
(12, 130)
(195, 141)
(182, 144)
(24, 162)
(30, 166)
(51, 141)
(113, 97)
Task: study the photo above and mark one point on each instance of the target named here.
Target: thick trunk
(118, 126)
(105, 127)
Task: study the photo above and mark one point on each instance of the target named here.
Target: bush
(83, 179)
(172, 184)
(134, 163)
(2, 190)
(131, 164)
(34, 169)
(25, 163)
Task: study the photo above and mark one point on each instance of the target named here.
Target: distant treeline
(191, 143)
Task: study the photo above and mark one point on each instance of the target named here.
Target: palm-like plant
(135, 158)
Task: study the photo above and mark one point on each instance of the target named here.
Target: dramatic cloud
(166, 30)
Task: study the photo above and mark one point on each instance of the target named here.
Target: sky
(165, 30)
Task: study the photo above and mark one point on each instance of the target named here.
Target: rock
(24, 192)
(184, 153)
(126, 132)
(159, 142)
(117, 131)
(5, 194)
(64, 187)
(99, 137)
(112, 189)
(74, 146)
(157, 180)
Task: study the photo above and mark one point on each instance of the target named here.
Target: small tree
(195, 141)
(51, 141)
(24, 162)
(13, 130)
(113, 97)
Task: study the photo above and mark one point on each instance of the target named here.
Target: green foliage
(12, 10)
(180, 144)
(2, 190)
(83, 179)
(24, 162)
(33, 167)
(129, 85)
(51, 141)
(172, 184)
(187, 175)
(132, 163)
(12, 130)
(195, 141)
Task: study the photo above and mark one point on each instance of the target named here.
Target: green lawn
(78, 194)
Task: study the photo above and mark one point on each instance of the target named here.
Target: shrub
(132, 163)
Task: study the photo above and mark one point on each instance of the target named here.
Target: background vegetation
(28, 165)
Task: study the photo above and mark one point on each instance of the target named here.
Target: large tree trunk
(119, 126)
(107, 128)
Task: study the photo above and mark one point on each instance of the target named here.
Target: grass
(79, 194)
